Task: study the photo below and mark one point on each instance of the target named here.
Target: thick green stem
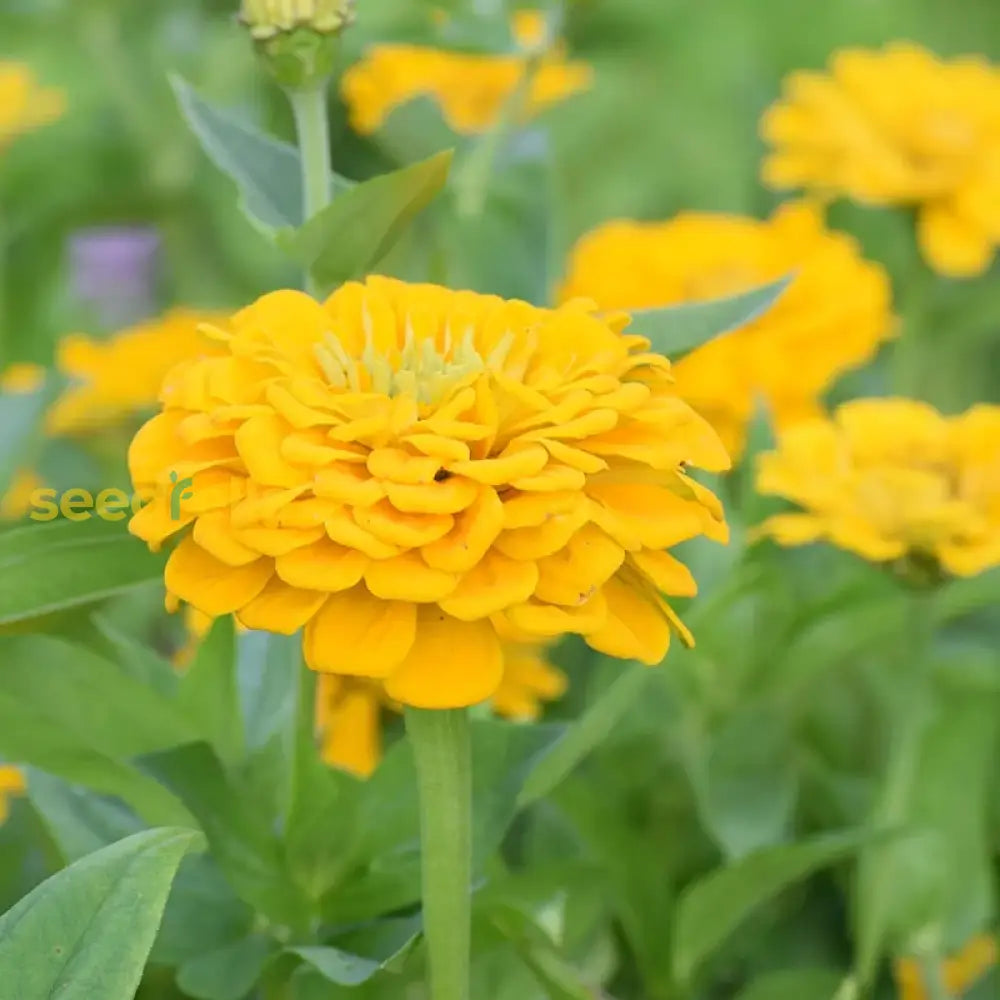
(442, 748)
(313, 129)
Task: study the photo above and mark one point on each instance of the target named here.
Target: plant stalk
(313, 129)
(442, 749)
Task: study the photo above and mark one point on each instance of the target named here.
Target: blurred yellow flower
(829, 320)
(16, 502)
(899, 126)
(888, 478)
(24, 105)
(470, 88)
(11, 783)
(349, 709)
(116, 379)
(403, 467)
(960, 972)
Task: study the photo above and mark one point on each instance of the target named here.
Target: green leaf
(21, 415)
(266, 170)
(383, 945)
(93, 701)
(584, 735)
(240, 834)
(80, 821)
(227, 973)
(678, 330)
(710, 909)
(794, 984)
(63, 564)
(745, 781)
(86, 931)
(352, 234)
(208, 693)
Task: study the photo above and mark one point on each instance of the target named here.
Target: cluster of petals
(412, 474)
(831, 318)
(899, 126)
(890, 478)
(24, 105)
(470, 88)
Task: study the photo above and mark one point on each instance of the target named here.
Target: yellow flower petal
(407, 577)
(280, 608)
(324, 566)
(635, 627)
(210, 585)
(493, 584)
(451, 663)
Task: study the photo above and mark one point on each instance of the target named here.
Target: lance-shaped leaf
(266, 170)
(678, 330)
(86, 931)
(357, 229)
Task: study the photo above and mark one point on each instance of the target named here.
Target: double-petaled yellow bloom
(116, 379)
(11, 783)
(960, 972)
(890, 478)
(24, 105)
(471, 89)
(894, 127)
(406, 472)
(830, 319)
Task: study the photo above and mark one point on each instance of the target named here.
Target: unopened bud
(297, 38)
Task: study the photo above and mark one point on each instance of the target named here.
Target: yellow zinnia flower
(23, 104)
(888, 478)
(401, 468)
(899, 126)
(470, 88)
(118, 378)
(960, 972)
(11, 783)
(830, 319)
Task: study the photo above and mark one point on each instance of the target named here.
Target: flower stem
(313, 130)
(442, 748)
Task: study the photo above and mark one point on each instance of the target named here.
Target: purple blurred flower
(113, 273)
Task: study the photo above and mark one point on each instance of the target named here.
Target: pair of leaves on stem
(363, 222)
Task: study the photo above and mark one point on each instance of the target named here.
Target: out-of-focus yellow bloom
(404, 466)
(118, 378)
(24, 105)
(267, 18)
(11, 783)
(830, 319)
(470, 88)
(24, 376)
(16, 501)
(349, 709)
(899, 126)
(960, 972)
(888, 478)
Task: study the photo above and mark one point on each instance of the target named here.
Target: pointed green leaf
(86, 931)
(209, 695)
(355, 231)
(62, 564)
(678, 330)
(713, 907)
(266, 170)
(584, 735)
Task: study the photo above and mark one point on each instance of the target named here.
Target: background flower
(24, 105)
(470, 88)
(887, 478)
(398, 468)
(831, 318)
(11, 783)
(899, 126)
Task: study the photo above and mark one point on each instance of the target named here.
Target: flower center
(420, 370)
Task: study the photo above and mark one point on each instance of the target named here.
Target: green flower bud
(297, 38)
